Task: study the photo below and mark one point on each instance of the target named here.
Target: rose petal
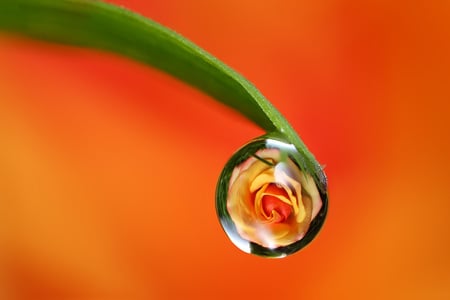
(262, 198)
(273, 206)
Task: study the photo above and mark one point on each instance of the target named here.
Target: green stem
(104, 26)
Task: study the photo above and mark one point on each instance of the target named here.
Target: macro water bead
(266, 204)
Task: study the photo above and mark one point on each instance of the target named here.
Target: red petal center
(271, 203)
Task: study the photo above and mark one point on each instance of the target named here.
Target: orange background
(108, 168)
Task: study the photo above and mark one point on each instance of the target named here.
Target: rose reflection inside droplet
(270, 200)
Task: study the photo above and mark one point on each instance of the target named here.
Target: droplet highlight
(266, 204)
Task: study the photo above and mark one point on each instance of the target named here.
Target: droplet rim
(268, 141)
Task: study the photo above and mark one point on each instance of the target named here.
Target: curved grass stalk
(111, 28)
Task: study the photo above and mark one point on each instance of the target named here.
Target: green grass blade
(108, 27)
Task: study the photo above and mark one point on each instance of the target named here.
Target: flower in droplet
(270, 200)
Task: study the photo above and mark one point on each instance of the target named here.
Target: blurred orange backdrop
(108, 168)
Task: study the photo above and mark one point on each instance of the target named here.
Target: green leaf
(108, 27)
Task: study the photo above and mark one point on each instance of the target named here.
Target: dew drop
(268, 205)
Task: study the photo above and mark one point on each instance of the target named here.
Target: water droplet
(266, 204)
